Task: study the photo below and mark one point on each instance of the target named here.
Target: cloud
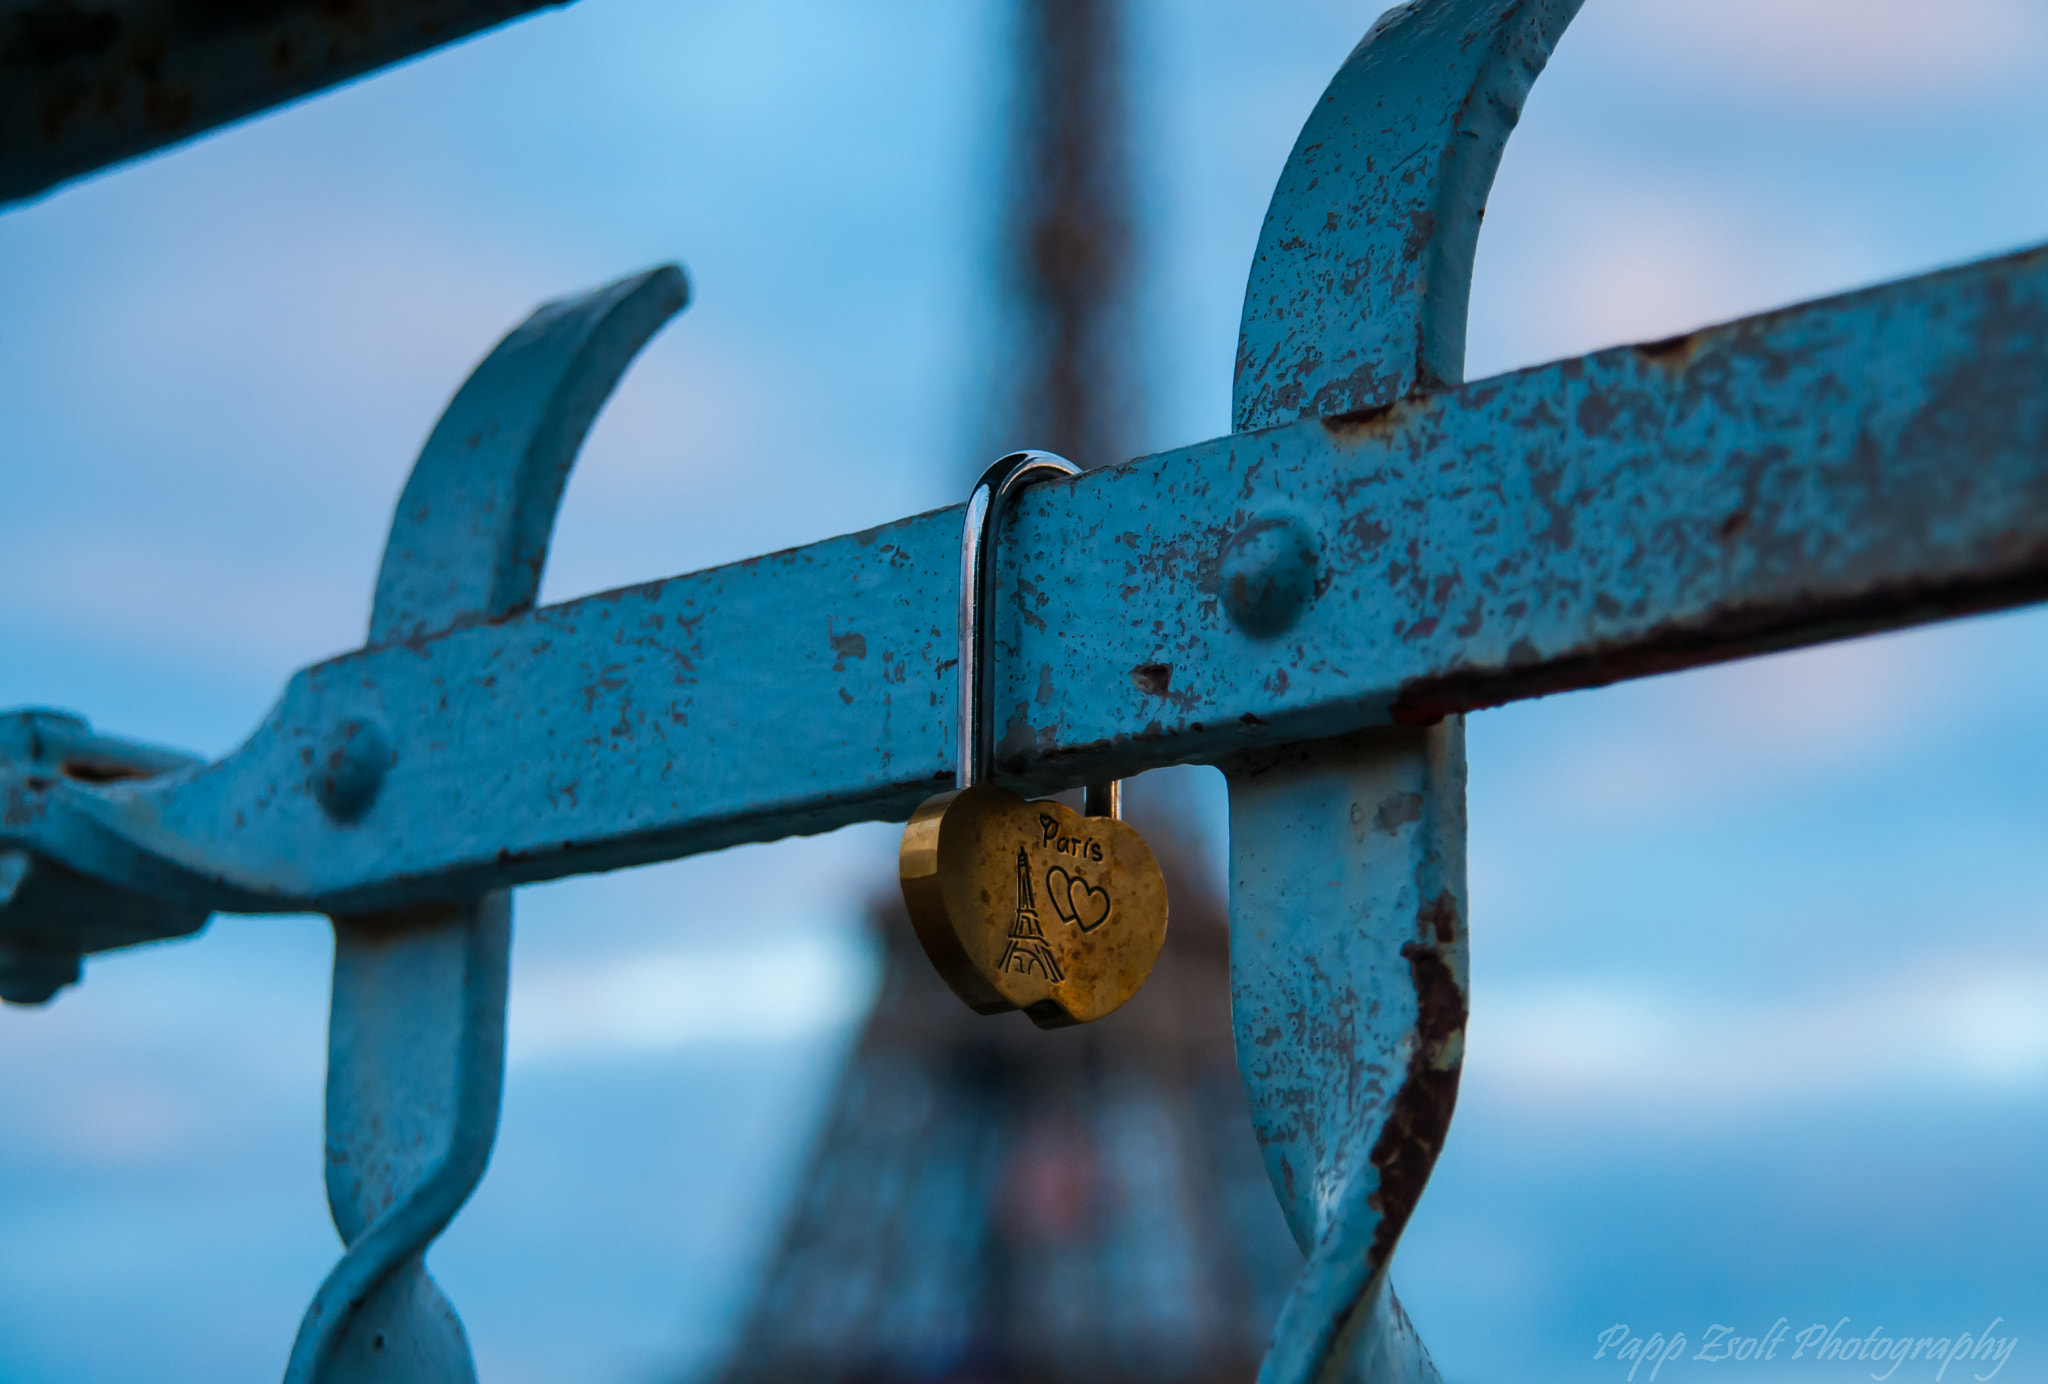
(160, 595)
(219, 429)
(1834, 50)
(1702, 737)
(1656, 750)
(1953, 1026)
(1582, 252)
(799, 988)
(170, 1056)
(121, 1121)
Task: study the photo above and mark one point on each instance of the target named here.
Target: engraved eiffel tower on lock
(1028, 951)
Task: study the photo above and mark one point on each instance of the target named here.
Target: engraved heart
(977, 866)
(1076, 900)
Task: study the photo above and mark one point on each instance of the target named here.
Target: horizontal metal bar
(1869, 461)
(87, 83)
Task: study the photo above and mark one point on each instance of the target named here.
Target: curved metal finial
(1359, 288)
(977, 590)
(471, 531)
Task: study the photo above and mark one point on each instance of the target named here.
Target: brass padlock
(1025, 905)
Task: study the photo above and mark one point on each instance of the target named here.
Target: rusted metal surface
(87, 83)
(1364, 267)
(1348, 968)
(1348, 857)
(1863, 462)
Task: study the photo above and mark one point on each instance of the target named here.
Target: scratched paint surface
(1871, 460)
(1363, 271)
(1345, 829)
(1867, 460)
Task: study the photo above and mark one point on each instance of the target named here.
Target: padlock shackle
(985, 508)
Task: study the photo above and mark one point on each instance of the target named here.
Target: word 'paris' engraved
(1067, 845)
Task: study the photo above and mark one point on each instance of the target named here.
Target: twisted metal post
(416, 1046)
(1348, 941)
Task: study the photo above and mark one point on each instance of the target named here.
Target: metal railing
(1309, 603)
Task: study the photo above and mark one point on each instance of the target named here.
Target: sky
(1760, 977)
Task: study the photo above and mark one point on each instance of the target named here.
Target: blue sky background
(1760, 1018)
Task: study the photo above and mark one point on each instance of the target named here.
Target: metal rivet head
(1268, 575)
(350, 768)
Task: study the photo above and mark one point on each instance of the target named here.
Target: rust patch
(1672, 353)
(1396, 811)
(1374, 420)
(1441, 918)
(1407, 1148)
(1153, 679)
(102, 771)
(1378, 418)
(845, 646)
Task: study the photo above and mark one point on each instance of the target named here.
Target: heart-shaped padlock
(1025, 905)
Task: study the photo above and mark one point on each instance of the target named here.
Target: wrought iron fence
(1310, 603)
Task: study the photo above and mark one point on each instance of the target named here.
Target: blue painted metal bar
(1864, 462)
(86, 83)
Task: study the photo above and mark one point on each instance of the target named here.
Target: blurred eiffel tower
(988, 1202)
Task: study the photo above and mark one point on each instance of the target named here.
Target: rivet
(1268, 575)
(352, 762)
